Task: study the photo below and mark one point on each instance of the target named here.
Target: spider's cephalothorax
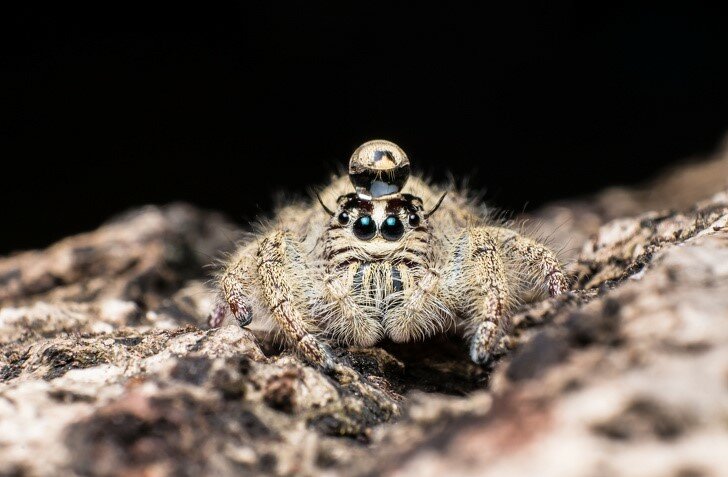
(392, 257)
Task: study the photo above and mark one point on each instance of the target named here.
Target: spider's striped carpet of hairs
(107, 366)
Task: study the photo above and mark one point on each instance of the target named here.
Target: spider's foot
(242, 313)
(243, 317)
(317, 353)
(557, 283)
(483, 343)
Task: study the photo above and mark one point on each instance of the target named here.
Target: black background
(110, 106)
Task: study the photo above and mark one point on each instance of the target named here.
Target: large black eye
(392, 228)
(414, 220)
(364, 228)
(344, 218)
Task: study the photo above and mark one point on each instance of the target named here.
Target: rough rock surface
(107, 368)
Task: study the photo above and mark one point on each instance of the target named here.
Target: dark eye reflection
(414, 220)
(364, 228)
(392, 228)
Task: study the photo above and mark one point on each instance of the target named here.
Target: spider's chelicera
(392, 256)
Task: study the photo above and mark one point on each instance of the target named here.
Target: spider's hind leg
(539, 263)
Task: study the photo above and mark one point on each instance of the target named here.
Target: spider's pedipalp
(345, 318)
(418, 311)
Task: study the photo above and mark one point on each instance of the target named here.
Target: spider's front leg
(476, 282)
(236, 283)
(283, 276)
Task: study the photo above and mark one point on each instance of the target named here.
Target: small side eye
(344, 218)
(414, 220)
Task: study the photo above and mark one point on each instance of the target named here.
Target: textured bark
(107, 367)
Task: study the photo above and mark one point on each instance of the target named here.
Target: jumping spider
(391, 258)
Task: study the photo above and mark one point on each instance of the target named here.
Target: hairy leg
(236, 282)
(281, 268)
(540, 263)
(477, 283)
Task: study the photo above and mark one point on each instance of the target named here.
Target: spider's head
(378, 210)
(386, 219)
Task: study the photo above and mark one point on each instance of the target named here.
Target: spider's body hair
(305, 274)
